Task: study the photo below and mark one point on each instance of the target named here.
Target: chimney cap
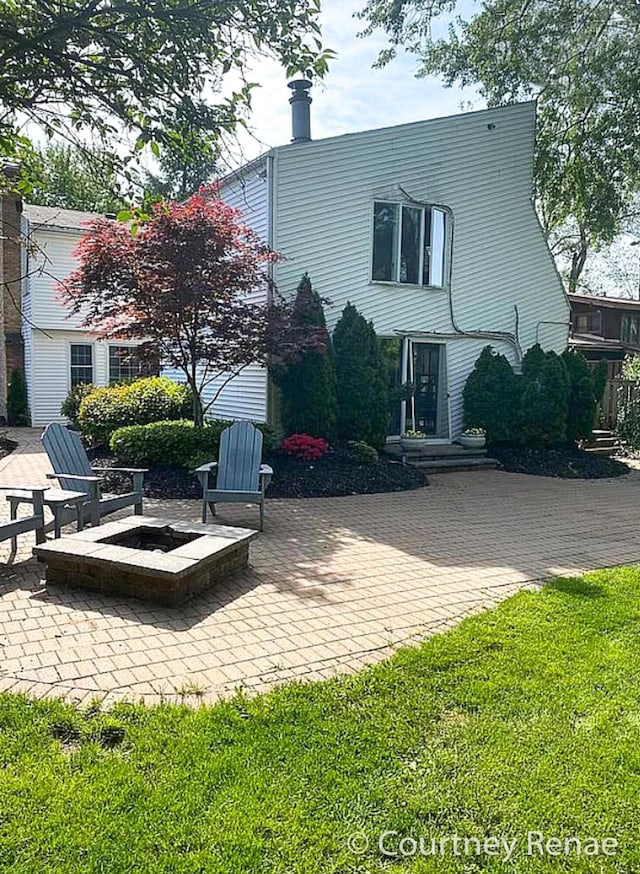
(300, 84)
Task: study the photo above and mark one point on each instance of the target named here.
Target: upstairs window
(588, 323)
(409, 244)
(629, 329)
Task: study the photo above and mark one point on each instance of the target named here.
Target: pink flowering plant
(304, 447)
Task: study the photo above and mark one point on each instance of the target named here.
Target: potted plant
(413, 440)
(473, 438)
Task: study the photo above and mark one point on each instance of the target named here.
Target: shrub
(490, 397)
(176, 442)
(154, 399)
(304, 447)
(599, 377)
(309, 386)
(362, 452)
(582, 405)
(17, 407)
(363, 411)
(71, 404)
(544, 400)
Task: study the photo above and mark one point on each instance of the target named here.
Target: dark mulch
(335, 474)
(567, 462)
(6, 446)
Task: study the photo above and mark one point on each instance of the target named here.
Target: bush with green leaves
(70, 408)
(490, 397)
(544, 398)
(308, 386)
(599, 377)
(17, 406)
(175, 443)
(154, 399)
(582, 403)
(362, 452)
(362, 380)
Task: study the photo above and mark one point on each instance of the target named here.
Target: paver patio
(335, 584)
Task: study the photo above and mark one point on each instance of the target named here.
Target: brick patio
(335, 584)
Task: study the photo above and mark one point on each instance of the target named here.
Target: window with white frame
(125, 364)
(81, 363)
(409, 243)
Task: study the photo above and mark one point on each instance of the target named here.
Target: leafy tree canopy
(581, 60)
(117, 69)
(73, 178)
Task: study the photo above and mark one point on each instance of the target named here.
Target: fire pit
(153, 559)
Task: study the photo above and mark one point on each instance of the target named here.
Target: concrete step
(451, 465)
(446, 450)
(603, 450)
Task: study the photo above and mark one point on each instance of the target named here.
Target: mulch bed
(334, 475)
(566, 462)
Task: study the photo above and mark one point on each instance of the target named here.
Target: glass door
(424, 372)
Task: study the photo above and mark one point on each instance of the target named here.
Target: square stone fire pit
(159, 560)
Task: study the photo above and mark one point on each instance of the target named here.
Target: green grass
(524, 718)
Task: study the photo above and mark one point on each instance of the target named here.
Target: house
(58, 352)
(605, 328)
(429, 229)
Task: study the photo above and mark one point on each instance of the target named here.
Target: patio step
(603, 443)
(444, 458)
(455, 464)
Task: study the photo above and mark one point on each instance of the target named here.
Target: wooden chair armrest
(85, 479)
(206, 468)
(266, 470)
(25, 488)
(122, 469)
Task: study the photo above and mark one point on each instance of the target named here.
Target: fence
(617, 394)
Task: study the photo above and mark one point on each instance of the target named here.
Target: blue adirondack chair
(71, 467)
(240, 476)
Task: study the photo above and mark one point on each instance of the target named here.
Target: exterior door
(425, 369)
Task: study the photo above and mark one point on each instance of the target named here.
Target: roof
(56, 217)
(614, 303)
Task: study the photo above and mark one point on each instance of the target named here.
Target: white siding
(244, 397)
(50, 261)
(479, 165)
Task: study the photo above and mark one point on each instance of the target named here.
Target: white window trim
(93, 359)
(447, 244)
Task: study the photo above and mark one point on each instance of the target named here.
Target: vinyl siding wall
(479, 166)
(244, 397)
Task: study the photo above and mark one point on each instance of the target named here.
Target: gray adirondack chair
(240, 475)
(34, 522)
(71, 467)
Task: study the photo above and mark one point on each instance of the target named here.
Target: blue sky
(353, 96)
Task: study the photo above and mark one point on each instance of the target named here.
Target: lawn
(526, 718)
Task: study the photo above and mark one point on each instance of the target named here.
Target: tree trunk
(578, 260)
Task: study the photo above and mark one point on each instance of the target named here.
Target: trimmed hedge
(154, 399)
(174, 443)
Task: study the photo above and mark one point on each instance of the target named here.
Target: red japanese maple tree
(185, 284)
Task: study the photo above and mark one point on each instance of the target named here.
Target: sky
(353, 96)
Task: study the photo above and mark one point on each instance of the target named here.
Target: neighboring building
(429, 229)
(605, 328)
(58, 352)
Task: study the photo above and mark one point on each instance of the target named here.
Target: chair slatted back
(239, 458)
(67, 455)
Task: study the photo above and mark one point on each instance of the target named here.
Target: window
(81, 360)
(629, 330)
(408, 244)
(124, 364)
(588, 323)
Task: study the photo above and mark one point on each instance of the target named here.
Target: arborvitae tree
(544, 401)
(363, 409)
(582, 403)
(17, 407)
(599, 377)
(490, 397)
(309, 404)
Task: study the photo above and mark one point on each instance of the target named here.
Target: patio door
(424, 373)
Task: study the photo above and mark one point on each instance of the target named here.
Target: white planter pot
(410, 444)
(472, 441)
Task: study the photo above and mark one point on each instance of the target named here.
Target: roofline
(245, 168)
(614, 303)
